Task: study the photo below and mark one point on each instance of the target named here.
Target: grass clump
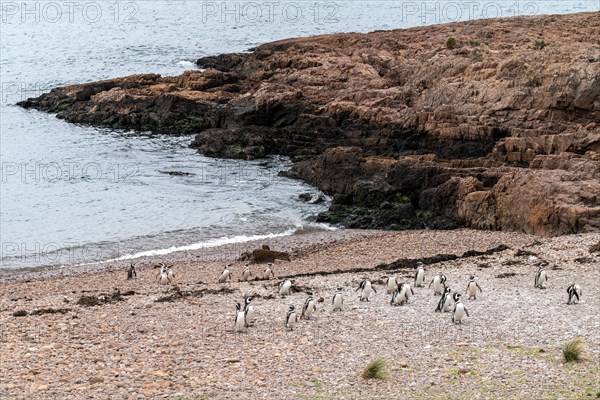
(451, 42)
(534, 79)
(539, 44)
(474, 42)
(376, 369)
(573, 350)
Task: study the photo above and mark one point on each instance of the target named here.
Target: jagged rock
(493, 134)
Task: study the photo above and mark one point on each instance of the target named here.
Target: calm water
(75, 194)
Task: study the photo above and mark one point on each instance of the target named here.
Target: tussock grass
(573, 350)
(376, 369)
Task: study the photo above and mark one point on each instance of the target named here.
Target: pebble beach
(140, 340)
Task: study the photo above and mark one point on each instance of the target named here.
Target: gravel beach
(145, 341)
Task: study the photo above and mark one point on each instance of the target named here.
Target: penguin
(541, 277)
(291, 318)
(163, 277)
(268, 272)
(472, 287)
(338, 299)
(131, 272)
(574, 292)
(439, 284)
(420, 275)
(225, 275)
(284, 287)
(240, 319)
(391, 284)
(308, 308)
(248, 311)
(246, 275)
(445, 301)
(459, 309)
(365, 289)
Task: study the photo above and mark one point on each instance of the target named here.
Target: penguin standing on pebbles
(399, 297)
(163, 277)
(247, 274)
(439, 284)
(541, 277)
(240, 319)
(445, 302)
(459, 310)
(408, 290)
(284, 287)
(131, 272)
(309, 308)
(268, 272)
(472, 287)
(338, 299)
(365, 288)
(291, 318)
(248, 311)
(225, 275)
(574, 292)
(420, 275)
(391, 284)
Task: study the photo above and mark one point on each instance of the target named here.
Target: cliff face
(500, 131)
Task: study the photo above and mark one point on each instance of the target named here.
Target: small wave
(186, 64)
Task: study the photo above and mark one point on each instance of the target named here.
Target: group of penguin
(401, 293)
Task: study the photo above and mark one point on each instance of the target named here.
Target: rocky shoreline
(98, 335)
(490, 124)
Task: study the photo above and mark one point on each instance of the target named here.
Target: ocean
(72, 194)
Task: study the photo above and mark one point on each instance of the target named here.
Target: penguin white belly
(459, 313)
(337, 302)
(402, 295)
(285, 288)
(291, 321)
(365, 293)
(438, 288)
(472, 291)
(246, 275)
(309, 310)
(240, 322)
(391, 285)
(224, 276)
(420, 278)
(447, 304)
(164, 279)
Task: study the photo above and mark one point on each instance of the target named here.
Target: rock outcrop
(500, 132)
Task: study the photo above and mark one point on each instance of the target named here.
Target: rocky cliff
(493, 124)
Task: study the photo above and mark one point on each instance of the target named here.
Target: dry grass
(376, 369)
(573, 350)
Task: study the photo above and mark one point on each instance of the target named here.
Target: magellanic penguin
(248, 311)
(225, 275)
(420, 275)
(240, 319)
(284, 287)
(459, 310)
(365, 288)
(338, 299)
(163, 277)
(541, 277)
(309, 308)
(268, 272)
(246, 274)
(472, 287)
(445, 303)
(131, 272)
(574, 292)
(291, 318)
(391, 284)
(439, 284)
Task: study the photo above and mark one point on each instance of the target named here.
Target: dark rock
(20, 313)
